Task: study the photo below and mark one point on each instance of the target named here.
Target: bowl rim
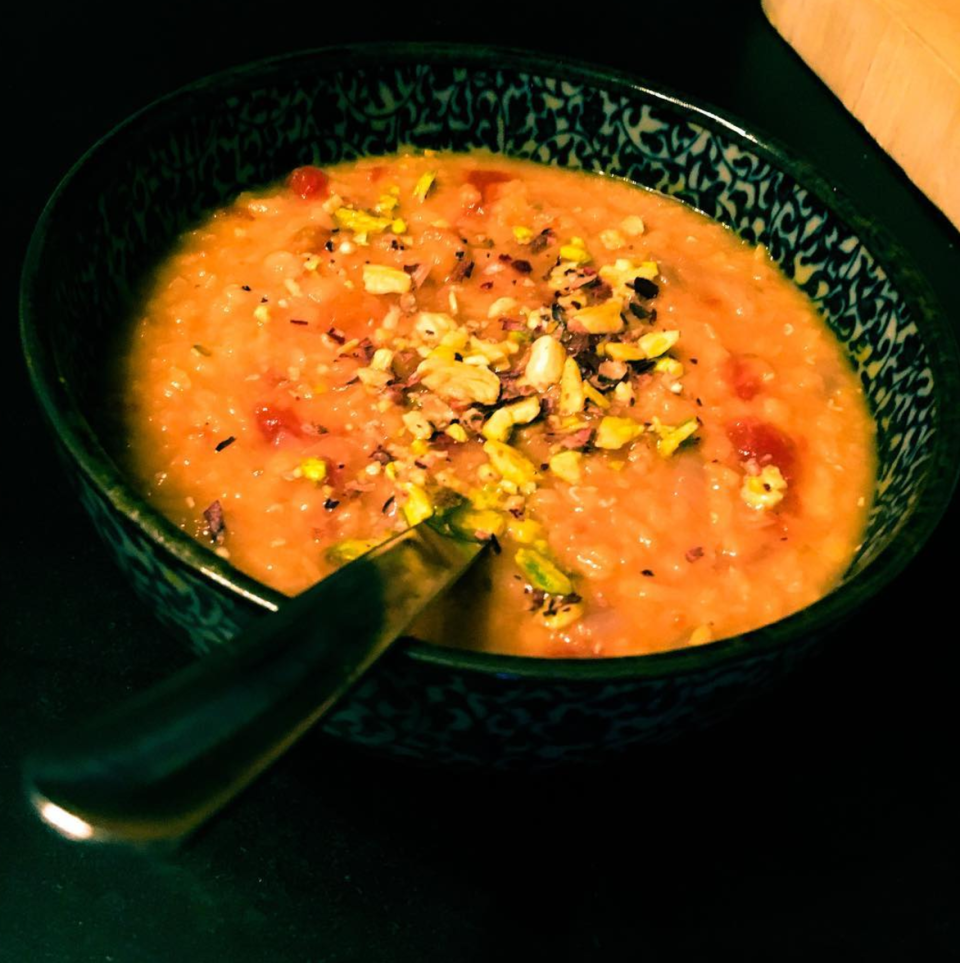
(75, 433)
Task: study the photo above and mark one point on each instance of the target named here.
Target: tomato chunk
(309, 181)
(484, 180)
(275, 423)
(762, 442)
(745, 374)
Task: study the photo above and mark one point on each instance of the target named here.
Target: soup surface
(660, 437)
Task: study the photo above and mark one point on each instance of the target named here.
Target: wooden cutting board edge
(896, 67)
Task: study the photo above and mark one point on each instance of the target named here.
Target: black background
(824, 818)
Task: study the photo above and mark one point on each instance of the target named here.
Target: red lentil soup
(656, 431)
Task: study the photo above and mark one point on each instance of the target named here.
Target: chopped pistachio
(566, 615)
(572, 397)
(419, 446)
(543, 573)
(624, 393)
(382, 359)
(621, 274)
(575, 250)
(490, 495)
(603, 318)
(313, 469)
(432, 325)
(566, 465)
(373, 378)
(350, 549)
(499, 425)
(387, 203)
(398, 226)
(469, 521)
(614, 432)
(764, 490)
(612, 240)
(423, 185)
(622, 351)
(495, 353)
(457, 432)
(591, 394)
(418, 507)
(417, 424)
(669, 366)
(670, 438)
(360, 222)
(657, 343)
(545, 366)
(501, 307)
(526, 531)
(457, 339)
(457, 381)
(525, 410)
(510, 464)
(523, 235)
(380, 279)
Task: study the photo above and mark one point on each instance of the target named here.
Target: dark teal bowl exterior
(124, 203)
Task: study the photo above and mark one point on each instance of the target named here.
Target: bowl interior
(122, 206)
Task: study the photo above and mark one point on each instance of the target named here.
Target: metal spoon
(164, 762)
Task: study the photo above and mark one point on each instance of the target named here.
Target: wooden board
(895, 65)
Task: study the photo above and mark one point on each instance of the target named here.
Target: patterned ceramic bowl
(129, 197)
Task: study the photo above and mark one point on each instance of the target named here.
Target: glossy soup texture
(660, 437)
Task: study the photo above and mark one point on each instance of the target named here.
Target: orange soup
(656, 432)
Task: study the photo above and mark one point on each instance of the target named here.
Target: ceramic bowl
(123, 203)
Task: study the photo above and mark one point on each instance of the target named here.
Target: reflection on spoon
(163, 763)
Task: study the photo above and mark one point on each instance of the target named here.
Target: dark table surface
(823, 817)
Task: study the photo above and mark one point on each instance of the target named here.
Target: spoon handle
(159, 765)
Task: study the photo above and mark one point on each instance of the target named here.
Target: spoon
(158, 766)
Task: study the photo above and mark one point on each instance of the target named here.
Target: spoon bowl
(157, 767)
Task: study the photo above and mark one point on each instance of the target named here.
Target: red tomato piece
(309, 181)
(745, 376)
(274, 423)
(763, 443)
(484, 180)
